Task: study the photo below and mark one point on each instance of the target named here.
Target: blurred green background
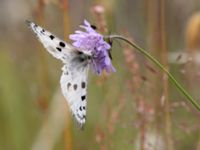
(136, 108)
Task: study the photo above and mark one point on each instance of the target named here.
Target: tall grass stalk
(135, 84)
(153, 33)
(43, 74)
(68, 130)
(164, 60)
(99, 15)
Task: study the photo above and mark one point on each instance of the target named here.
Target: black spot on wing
(68, 85)
(80, 108)
(42, 31)
(83, 97)
(62, 44)
(59, 49)
(66, 73)
(75, 86)
(51, 37)
(83, 85)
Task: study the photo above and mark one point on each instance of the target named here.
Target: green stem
(150, 57)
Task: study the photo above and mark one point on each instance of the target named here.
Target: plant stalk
(150, 57)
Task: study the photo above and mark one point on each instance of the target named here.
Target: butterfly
(74, 76)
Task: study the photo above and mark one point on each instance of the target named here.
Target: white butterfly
(75, 70)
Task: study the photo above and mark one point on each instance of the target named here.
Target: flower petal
(94, 42)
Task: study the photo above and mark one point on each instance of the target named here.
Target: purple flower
(92, 41)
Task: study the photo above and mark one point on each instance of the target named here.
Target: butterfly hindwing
(74, 85)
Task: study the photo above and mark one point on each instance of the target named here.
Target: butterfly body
(75, 70)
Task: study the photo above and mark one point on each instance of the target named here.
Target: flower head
(92, 41)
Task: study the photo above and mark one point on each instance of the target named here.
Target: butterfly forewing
(75, 70)
(55, 46)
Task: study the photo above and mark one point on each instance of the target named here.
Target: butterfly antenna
(110, 42)
(28, 22)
